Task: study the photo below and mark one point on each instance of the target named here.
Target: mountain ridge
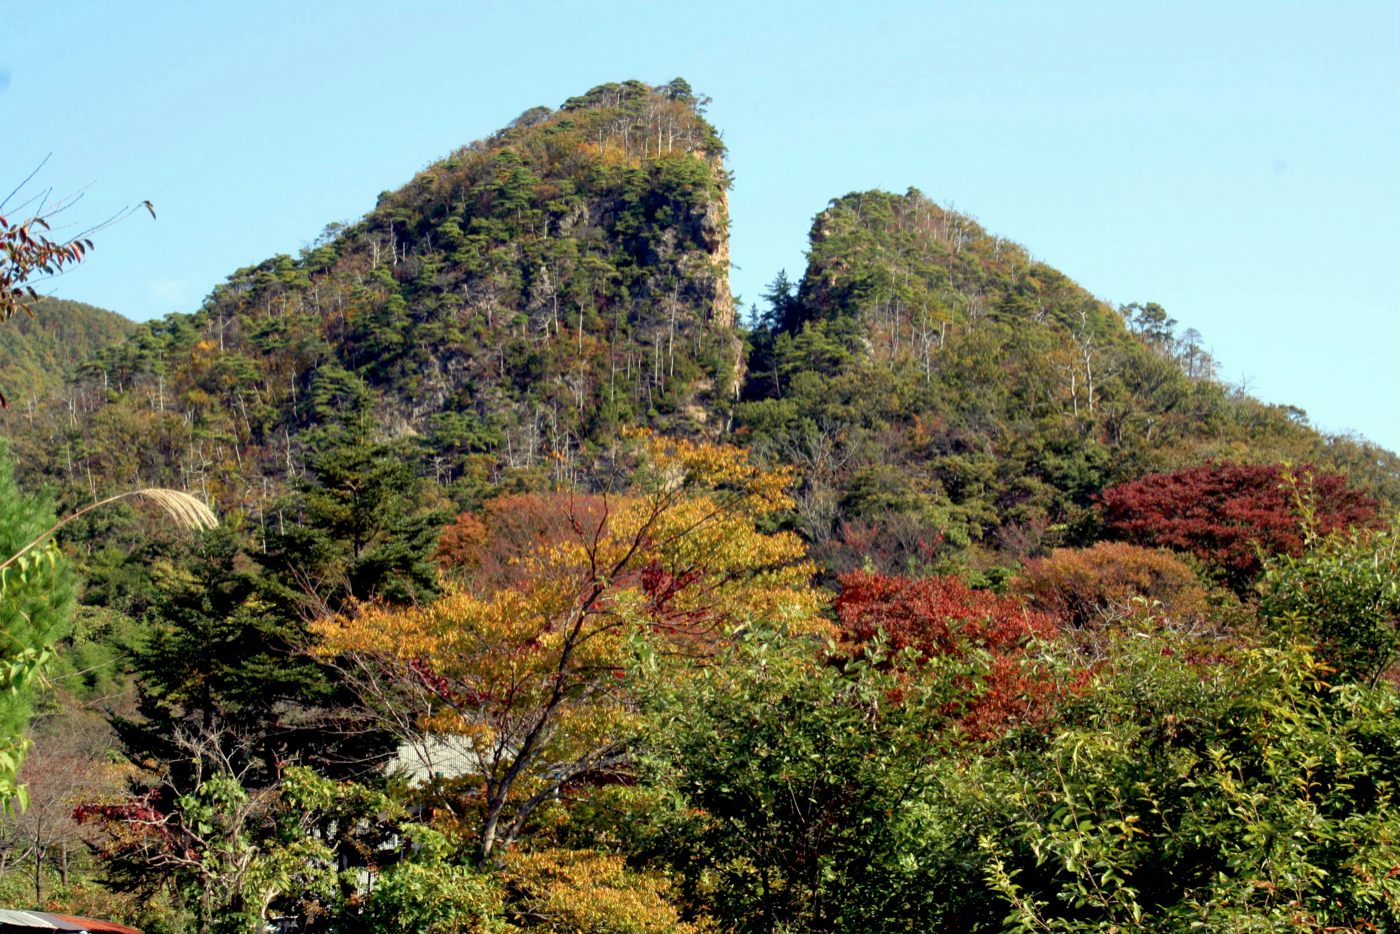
(512, 307)
(942, 386)
(525, 296)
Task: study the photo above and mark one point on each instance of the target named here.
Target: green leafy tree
(1188, 790)
(1343, 592)
(36, 610)
(801, 790)
(235, 856)
(435, 891)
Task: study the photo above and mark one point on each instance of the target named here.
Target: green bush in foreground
(1344, 594)
(36, 609)
(1182, 787)
(1219, 794)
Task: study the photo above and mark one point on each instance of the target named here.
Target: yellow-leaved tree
(521, 676)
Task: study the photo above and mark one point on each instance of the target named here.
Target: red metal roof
(12, 921)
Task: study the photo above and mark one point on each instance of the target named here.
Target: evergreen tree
(229, 661)
(224, 666)
(354, 530)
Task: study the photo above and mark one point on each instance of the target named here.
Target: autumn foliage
(521, 668)
(27, 253)
(941, 617)
(585, 890)
(485, 549)
(1085, 588)
(1226, 514)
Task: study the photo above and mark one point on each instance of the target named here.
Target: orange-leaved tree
(1089, 588)
(522, 681)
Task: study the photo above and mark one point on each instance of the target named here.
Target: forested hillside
(941, 393)
(39, 352)
(944, 397)
(510, 308)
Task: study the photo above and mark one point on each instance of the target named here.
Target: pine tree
(355, 530)
(229, 660)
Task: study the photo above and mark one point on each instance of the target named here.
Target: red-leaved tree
(1228, 514)
(941, 617)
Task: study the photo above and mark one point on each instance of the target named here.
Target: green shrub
(1344, 594)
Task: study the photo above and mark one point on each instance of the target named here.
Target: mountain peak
(512, 305)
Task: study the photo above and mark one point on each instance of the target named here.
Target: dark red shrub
(941, 617)
(1225, 514)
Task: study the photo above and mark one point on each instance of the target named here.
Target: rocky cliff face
(717, 236)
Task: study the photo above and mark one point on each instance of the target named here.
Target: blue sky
(1238, 163)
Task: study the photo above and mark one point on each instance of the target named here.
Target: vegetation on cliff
(946, 397)
(509, 309)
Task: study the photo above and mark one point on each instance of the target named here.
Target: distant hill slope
(945, 394)
(511, 307)
(38, 353)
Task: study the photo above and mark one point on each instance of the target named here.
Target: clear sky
(1238, 163)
